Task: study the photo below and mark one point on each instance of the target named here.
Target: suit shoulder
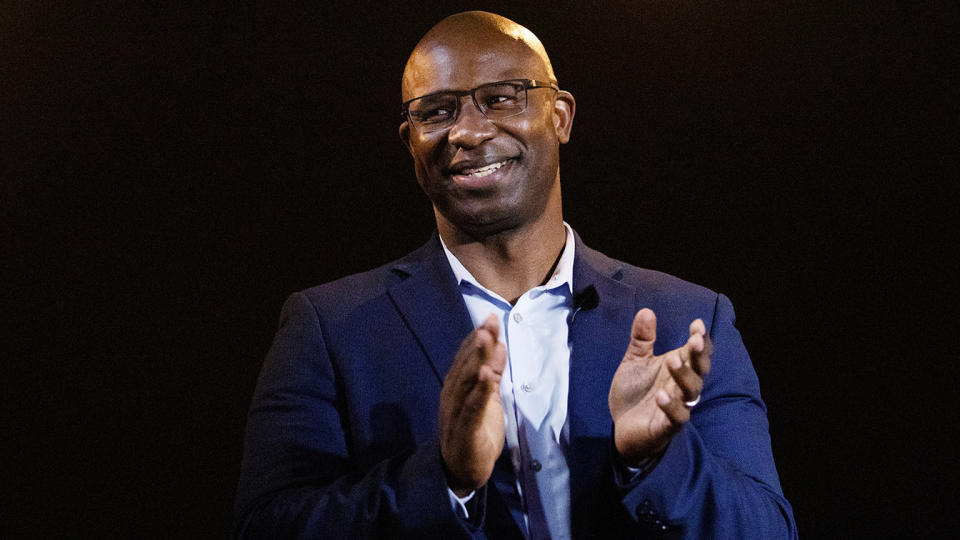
(675, 301)
(650, 283)
(347, 294)
(351, 290)
(659, 283)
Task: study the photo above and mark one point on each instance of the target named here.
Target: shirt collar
(562, 274)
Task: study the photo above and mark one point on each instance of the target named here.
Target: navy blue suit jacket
(342, 435)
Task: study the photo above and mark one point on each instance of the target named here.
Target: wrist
(638, 457)
(628, 474)
(456, 486)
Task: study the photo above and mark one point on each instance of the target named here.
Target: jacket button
(535, 466)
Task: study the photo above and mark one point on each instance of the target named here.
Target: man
(504, 380)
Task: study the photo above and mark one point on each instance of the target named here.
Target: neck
(510, 262)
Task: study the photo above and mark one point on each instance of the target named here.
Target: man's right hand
(471, 415)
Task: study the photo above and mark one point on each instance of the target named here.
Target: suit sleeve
(297, 479)
(717, 478)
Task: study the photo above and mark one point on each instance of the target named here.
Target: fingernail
(662, 398)
(674, 362)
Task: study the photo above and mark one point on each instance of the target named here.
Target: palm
(648, 394)
(471, 415)
(640, 423)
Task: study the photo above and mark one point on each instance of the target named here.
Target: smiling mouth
(480, 172)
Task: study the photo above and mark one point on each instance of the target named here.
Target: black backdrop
(170, 174)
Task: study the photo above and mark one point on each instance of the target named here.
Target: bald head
(487, 175)
(470, 41)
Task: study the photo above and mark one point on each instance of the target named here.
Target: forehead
(464, 64)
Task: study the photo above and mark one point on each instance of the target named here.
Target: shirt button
(526, 387)
(535, 466)
(518, 317)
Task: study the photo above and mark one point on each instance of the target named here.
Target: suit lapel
(599, 336)
(431, 306)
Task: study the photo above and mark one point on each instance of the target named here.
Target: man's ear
(564, 107)
(404, 132)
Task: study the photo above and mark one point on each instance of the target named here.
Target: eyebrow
(508, 74)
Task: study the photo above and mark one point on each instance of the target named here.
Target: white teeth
(484, 171)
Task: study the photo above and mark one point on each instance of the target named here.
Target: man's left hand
(649, 393)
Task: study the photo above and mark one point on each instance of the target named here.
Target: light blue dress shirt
(533, 389)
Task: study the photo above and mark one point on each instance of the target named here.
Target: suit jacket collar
(432, 306)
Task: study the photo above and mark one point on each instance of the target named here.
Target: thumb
(643, 333)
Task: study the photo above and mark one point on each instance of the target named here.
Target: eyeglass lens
(496, 100)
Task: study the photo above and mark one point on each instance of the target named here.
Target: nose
(471, 127)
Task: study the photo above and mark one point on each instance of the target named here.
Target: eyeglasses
(501, 99)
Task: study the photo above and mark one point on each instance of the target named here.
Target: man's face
(486, 176)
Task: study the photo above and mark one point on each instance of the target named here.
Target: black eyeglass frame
(526, 83)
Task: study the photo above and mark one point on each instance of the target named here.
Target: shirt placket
(526, 366)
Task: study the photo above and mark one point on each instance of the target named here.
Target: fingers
(700, 348)
(491, 358)
(495, 353)
(492, 325)
(676, 411)
(475, 348)
(643, 333)
(689, 364)
(486, 389)
(688, 381)
(477, 366)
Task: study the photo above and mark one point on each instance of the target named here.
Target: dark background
(170, 174)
